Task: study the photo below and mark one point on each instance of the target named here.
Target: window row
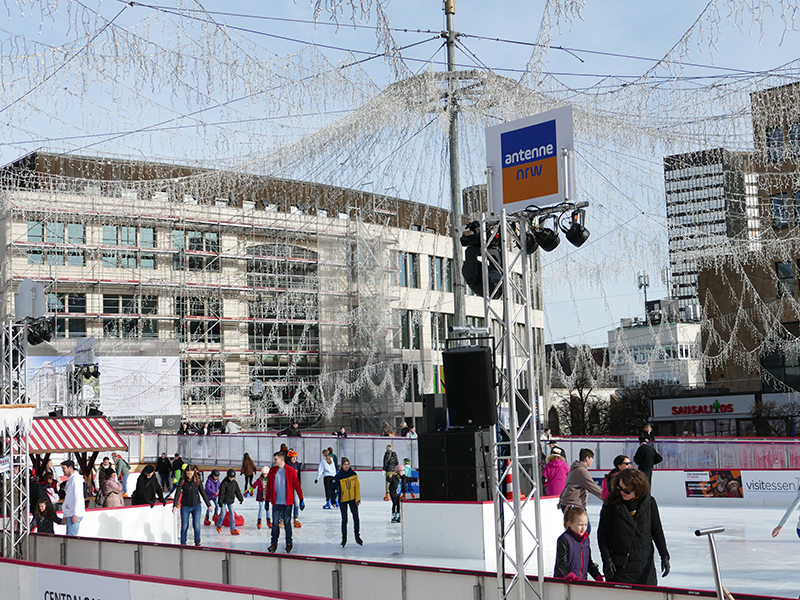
(440, 272)
(694, 171)
(440, 324)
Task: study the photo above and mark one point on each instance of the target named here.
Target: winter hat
(214, 472)
(265, 470)
(406, 461)
(231, 473)
(399, 469)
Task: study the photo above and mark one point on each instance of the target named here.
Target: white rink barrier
(466, 530)
(154, 571)
(130, 523)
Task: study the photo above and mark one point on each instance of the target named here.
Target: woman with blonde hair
(326, 470)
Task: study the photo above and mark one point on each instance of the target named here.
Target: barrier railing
(364, 452)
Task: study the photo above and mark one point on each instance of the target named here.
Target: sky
(611, 41)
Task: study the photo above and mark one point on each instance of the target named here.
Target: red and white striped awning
(73, 434)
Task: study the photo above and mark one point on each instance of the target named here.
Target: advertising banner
(525, 160)
(55, 584)
(771, 484)
(714, 483)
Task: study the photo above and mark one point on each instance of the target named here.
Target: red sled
(238, 519)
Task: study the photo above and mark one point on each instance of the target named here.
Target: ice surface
(751, 561)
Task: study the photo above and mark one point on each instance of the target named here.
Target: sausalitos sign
(702, 407)
(525, 160)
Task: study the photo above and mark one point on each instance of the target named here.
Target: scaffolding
(279, 292)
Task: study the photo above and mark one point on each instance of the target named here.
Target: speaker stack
(454, 465)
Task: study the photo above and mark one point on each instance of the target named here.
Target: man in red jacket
(282, 484)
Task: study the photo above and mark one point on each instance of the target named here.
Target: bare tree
(576, 372)
(629, 409)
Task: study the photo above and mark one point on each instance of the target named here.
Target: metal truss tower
(16, 416)
(507, 248)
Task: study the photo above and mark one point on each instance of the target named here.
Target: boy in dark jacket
(228, 492)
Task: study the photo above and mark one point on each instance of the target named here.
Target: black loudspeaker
(469, 385)
(434, 413)
(454, 466)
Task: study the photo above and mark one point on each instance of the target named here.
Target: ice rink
(751, 561)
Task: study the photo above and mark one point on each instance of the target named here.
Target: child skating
(573, 551)
(260, 488)
(228, 492)
(397, 486)
(212, 491)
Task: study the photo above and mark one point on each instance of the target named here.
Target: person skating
(621, 463)
(74, 507)
(282, 483)
(164, 470)
(579, 483)
(260, 488)
(212, 491)
(123, 469)
(792, 507)
(410, 474)
(248, 470)
(347, 486)
(397, 486)
(573, 550)
(44, 515)
(646, 458)
(191, 493)
(629, 526)
(326, 471)
(555, 474)
(228, 492)
(390, 463)
(291, 461)
(148, 488)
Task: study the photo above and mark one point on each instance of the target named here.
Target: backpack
(99, 499)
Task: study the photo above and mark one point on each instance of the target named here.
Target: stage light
(58, 412)
(547, 238)
(577, 234)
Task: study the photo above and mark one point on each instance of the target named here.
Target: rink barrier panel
(285, 576)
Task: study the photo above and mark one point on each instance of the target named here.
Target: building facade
(707, 204)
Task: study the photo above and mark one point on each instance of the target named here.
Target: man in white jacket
(74, 502)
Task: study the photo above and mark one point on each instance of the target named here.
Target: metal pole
(459, 290)
(714, 560)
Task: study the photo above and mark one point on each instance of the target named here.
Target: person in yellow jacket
(347, 486)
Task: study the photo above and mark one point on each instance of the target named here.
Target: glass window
(178, 239)
(55, 257)
(75, 233)
(109, 259)
(127, 261)
(149, 305)
(148, 261)
(127, 236)
(110, 304)
(147, 237)
(775, 143)
(35, 231)
(195, 240)
(55, 233)
(785, 273)
(780, 211)
(794, 139)
(109, 235)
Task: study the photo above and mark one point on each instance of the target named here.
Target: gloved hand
(571, 576)
(600, 578)
(163, 503)
(609, 569)
(302, 504)
(315, 481)
(664, 566)
(247, 494)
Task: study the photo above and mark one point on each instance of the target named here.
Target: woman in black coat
(147, 488)
(629, 526)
